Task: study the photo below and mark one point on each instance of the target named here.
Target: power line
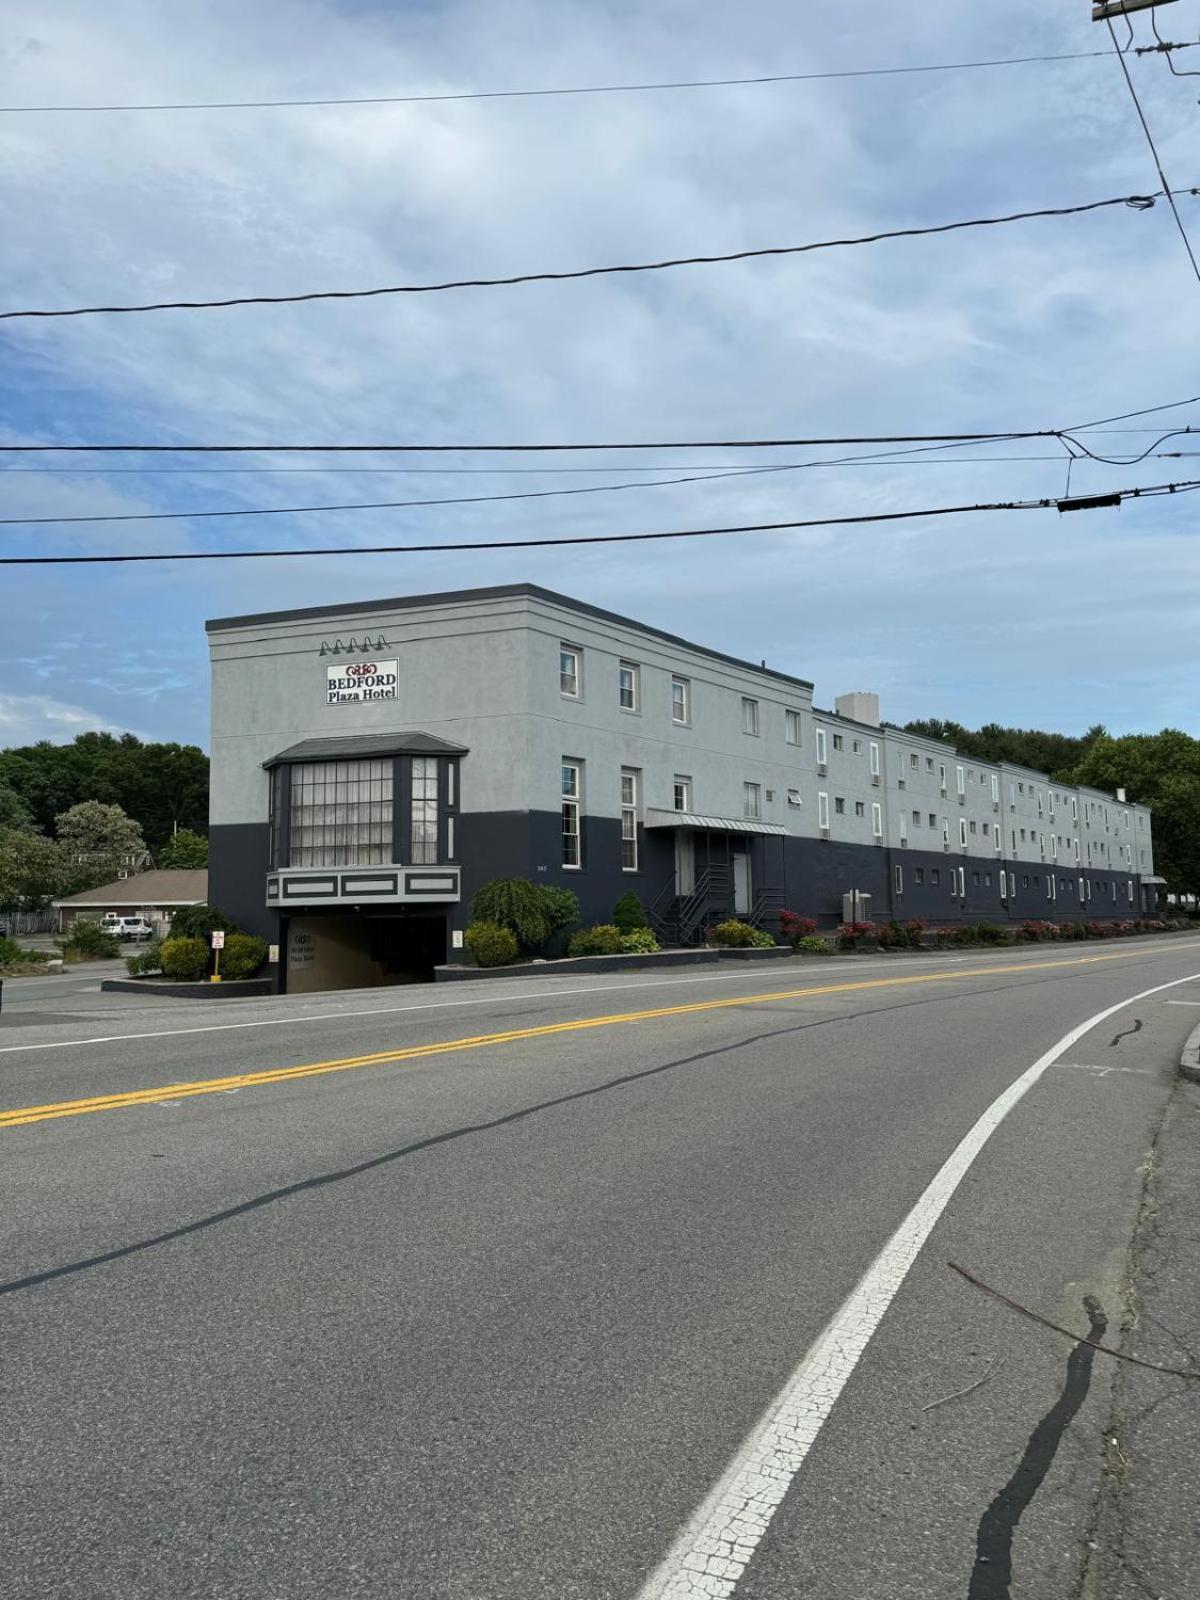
(1166, 188)
(1134, 201)
(1115, 497)
(535, 94)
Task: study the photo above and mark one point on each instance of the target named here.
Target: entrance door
(685, 862)
(741, 881)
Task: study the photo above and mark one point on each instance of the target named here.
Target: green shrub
(200, 922)
(629, 914)
(990, 933)
(490, 944)
(735, 935)
(242, 956)
(88, 941)
(184, 960)
(810, 945)
(146, 961)
(515, 904)
(560, 906)
(641, 942)
(602, 940)
(10, 951)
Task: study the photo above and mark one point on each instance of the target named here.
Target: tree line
(74, 816)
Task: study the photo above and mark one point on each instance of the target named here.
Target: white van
(126, 928)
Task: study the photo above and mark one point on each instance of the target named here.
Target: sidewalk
(1148, 1516)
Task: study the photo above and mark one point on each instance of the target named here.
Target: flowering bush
(793, 928)
(850, 933)
(913, 929)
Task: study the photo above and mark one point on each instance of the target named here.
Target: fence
(17, 924)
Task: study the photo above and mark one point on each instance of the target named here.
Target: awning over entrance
(1154, 880)
(348, 747)
(691, 819)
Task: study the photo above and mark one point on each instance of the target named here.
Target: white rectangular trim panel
(713, 1551)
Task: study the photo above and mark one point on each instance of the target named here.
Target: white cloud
(26, 718)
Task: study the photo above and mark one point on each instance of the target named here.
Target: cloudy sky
(1024, 617)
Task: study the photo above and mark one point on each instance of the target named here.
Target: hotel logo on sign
(361, 680)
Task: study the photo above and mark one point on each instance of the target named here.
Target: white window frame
(752, 797)
(1003, 884)
(635, 697)
(681, 781)
(1074, 808)
(899, 878)
(946, 830)
(942, 776)
(995, 789)
(749, 715)
(823, 810)
(575, 654)
(450, 833)
(572, 810)
(791, 725)
(822, 747)
(904, 827)
(962, 832)
(681, 702)
(630, 788)
(999, 840)
(873, 753)
(960, 779)
(876, 819)
(962, 883)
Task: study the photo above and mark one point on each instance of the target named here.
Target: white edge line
(300, 1018)
(712, 1552)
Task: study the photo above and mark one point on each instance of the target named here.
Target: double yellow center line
(22, 1115)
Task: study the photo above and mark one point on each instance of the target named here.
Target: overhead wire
(1166, 49)
(1137, 202)
(129, 557)
(1166, 188)
(535, 94)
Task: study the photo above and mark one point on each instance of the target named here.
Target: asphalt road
(490, 1317)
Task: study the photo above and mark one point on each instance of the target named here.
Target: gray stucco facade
(783, 804)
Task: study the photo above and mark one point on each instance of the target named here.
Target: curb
(1189, 1061)
(232, 989)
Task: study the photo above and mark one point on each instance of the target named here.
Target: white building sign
(361, 680)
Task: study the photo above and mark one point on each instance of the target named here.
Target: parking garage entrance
(336, 949)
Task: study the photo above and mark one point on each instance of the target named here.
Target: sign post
(218, 944)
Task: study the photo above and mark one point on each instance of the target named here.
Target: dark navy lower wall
(810, 875)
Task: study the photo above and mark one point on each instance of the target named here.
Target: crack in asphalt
(991, 1577)
(1138, 1025)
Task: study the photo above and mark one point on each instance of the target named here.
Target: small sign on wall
(302, 949)
(456, 938)
(361, 680)
(273, 955)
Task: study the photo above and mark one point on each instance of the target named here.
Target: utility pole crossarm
(1103, 9)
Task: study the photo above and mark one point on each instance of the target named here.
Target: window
(838, 741)
(877, 819)
(682, 793)
(1003, 884)
(916, 819)
(1038, 796)
(823, 811)
(919, 874)
(680, 701)
(945, 830)
(995, 789)
(1054, 847)
(839, 805)
(751, 800)
(791, 720)
(914, 760)
(572, 796)
(629, 819)
(1081, 889)
(975, 879)
(860, 809)
(960, 781)
(1074, 809)
(928, 763)
(935, 876)
(962, 832)
(627, 690)
(424, 810)
(749, 715)
(973, 825)
(1022, 835)
(903, 828)
(899, 871)
(340, 813)
(932, 819)
(569, 659)
(1050, 886)
(987, 880)
(793, 798)
(874, 755)
(856, 746)
(822, 754)
(986, 829)
(450, 835)
(998, 841)
(1025, 880)
(942, 776)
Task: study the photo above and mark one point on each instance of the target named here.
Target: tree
(184, 849)
(13, 811)
(33, 870)
(100, 841)
(1162, 771)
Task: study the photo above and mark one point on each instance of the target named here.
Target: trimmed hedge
(640, 942)
(735, 935)
(184, 960)
(605, 939)
(242, 956)
(490, 944)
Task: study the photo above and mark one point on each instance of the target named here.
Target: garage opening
(362, 950)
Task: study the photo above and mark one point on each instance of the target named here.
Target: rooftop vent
(859, 707)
